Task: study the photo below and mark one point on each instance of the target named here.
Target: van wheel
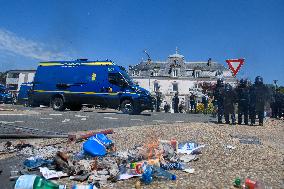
(57, 104)
(127, 107)
(76, 107)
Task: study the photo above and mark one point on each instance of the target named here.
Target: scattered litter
(45, 152)
(99, 163)
(48, 174)
(189, 170)
(34, 162)
(65, 120)
(188, 157)
(189, 148)
(97, 145)
(230, 147)
(245, 139)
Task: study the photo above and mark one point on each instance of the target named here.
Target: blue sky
(31, 31)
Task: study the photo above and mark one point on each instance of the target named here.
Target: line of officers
(251, 100)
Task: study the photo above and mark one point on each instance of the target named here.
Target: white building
(15, 78)
(177, 75)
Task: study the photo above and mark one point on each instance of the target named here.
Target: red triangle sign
(235, 65)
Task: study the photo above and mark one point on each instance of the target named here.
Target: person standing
(219, 97)
(229, 104)
(205, 103)
(278, 103)
(192, 100)
(176, 103)
(258, 97)
(167, 107)
(243, 101)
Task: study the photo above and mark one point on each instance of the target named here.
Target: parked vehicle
(5, 96)
(69, 84)
(23, 96)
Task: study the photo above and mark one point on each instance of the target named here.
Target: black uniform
(176, 103)
(229, 101)
(258, 97)
(192, 103)
(158, 101)
(243, 101)
(219, 97)
(278, 104)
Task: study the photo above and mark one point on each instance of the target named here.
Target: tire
(76, 107)
(57, 104)
(127, 107)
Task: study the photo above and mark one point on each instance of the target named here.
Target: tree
(3, 76)
(207, 88)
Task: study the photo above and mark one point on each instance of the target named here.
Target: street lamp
(148, 63)
(275, 83)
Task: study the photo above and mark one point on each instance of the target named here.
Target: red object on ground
(235, 65)
(250, 183)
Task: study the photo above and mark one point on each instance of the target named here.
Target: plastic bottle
(161, 172)
(171, 166)
(81, 186)
(36, 182)
(147, 177)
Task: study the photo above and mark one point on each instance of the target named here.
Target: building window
(156, 73)
(175, 87)
(135, 73)
(197, 73)
(175, 73)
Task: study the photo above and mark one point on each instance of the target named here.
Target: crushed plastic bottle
(172, 166)
(36, 182)
(159, 172)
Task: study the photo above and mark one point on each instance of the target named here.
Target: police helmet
(258, 80)
(228, 87)
(220, 81)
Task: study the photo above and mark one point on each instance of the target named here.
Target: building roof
(20, 71)
(176, 55)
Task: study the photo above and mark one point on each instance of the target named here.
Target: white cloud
(12, 43)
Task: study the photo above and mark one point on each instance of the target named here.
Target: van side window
(115, 79)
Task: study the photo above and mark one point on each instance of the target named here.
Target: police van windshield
(127, 78)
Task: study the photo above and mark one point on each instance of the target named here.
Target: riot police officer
(278, 103)
(243, 101)
(158, 101)
(218, 97)
(229, 104)
(176, 103)
(258, 97)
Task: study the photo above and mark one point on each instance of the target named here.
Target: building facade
(15, 78)
(178, 75)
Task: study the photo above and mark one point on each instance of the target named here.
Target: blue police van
(23, 96)
(70, 84)
(5, 96)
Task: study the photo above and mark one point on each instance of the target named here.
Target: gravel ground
(217, 166)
